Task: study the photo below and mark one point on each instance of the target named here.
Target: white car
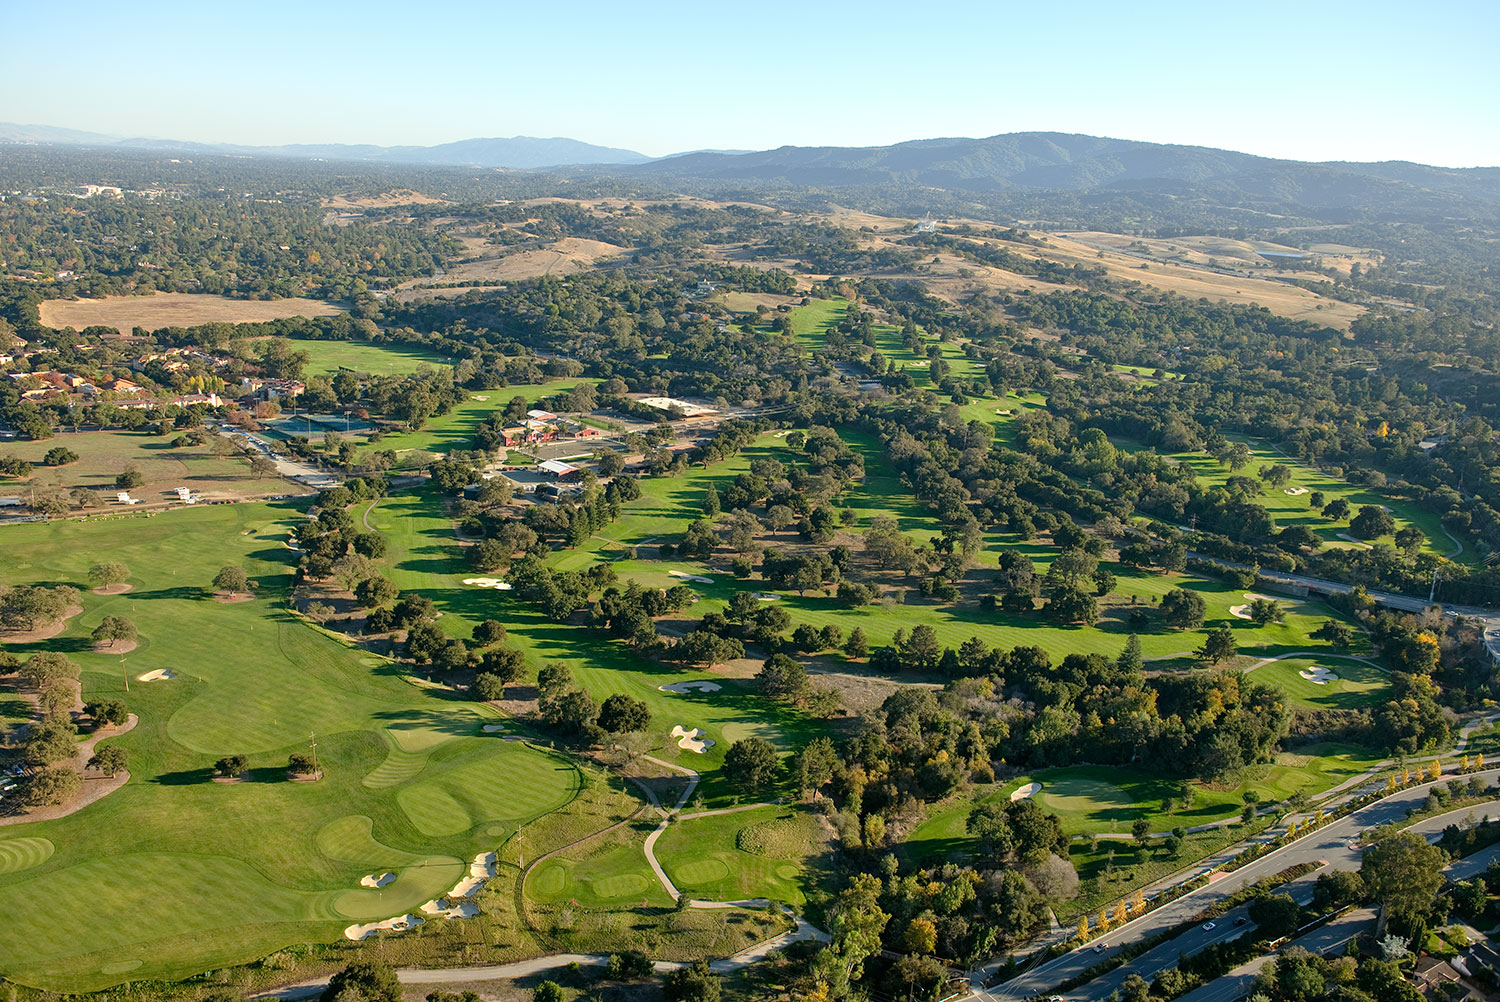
(1210, 926)
(1100, 947)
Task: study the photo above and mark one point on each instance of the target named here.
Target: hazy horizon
(1292, 81)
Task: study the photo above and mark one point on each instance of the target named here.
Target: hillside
(1056, 162)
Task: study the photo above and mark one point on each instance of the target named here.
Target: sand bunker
(157, 675)
(695, 740)
(493, 728)
(441, 908)
(1029, 790)
(766, 596)
(697, 578)
(1295, 492)
(494, 583)
(1243, 611)
(368, 929)
(377, 880)
(1318, 675)
(478, 396)
(683, 688)
(481, 870)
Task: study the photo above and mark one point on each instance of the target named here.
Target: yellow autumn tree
(1083, 928)
(1435, 770)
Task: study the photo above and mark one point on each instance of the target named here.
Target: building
(268, 388)
(540, 415)
(677, 408)
(118, 384)
(559, 469)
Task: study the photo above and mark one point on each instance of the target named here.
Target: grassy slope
(328, 357)
(184, 874)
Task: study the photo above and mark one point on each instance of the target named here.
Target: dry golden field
(175, 309)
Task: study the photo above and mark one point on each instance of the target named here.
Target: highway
(1328, 846)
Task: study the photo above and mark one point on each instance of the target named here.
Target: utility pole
(315, 752)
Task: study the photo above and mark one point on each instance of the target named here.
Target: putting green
(701, 871)
(18, 854)
(476, 780)
(349, 840)
(1081, 795)
(422, 881)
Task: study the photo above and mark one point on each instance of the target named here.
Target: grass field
(175, 309)
(184, 875)
(455, 429)
(761, 853)
(1359, 685)
(102, 455)
(1100, 800)
(1295, 509)
(425, 557)
(327, 357)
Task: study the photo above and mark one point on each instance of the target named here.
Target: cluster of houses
(46, 386)
(544, 426)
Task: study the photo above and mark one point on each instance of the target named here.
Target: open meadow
(175, 309)
(104, 455)
(328, 357)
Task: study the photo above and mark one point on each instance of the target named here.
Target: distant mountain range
(1054, 161)
(1012, 164)
(517, 152)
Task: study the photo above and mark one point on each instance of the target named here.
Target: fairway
(185, 875)
(1358, 685)
(328, 357)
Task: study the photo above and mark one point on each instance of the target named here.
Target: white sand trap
(494, 583)
(1355, 540)
(765, 596)
(1004, 411)
(466, 887)
(1029, 790)
(493, 728)
(158, 675)
(683, 688)
(1318, 675)
(478, 396)
(696, 578)
(368, 929)
(377, 880)
(442, 909)
(1295, 492)
(1239, 611)
(485, 865)
(694, 740)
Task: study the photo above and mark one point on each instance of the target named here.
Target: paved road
(1335, 934)
(1329, 846)
(1237, 982)
(1339, 857)
(1403, 603)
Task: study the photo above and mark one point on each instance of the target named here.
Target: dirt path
(94, 787)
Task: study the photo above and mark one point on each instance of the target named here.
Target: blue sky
(1309, 80)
